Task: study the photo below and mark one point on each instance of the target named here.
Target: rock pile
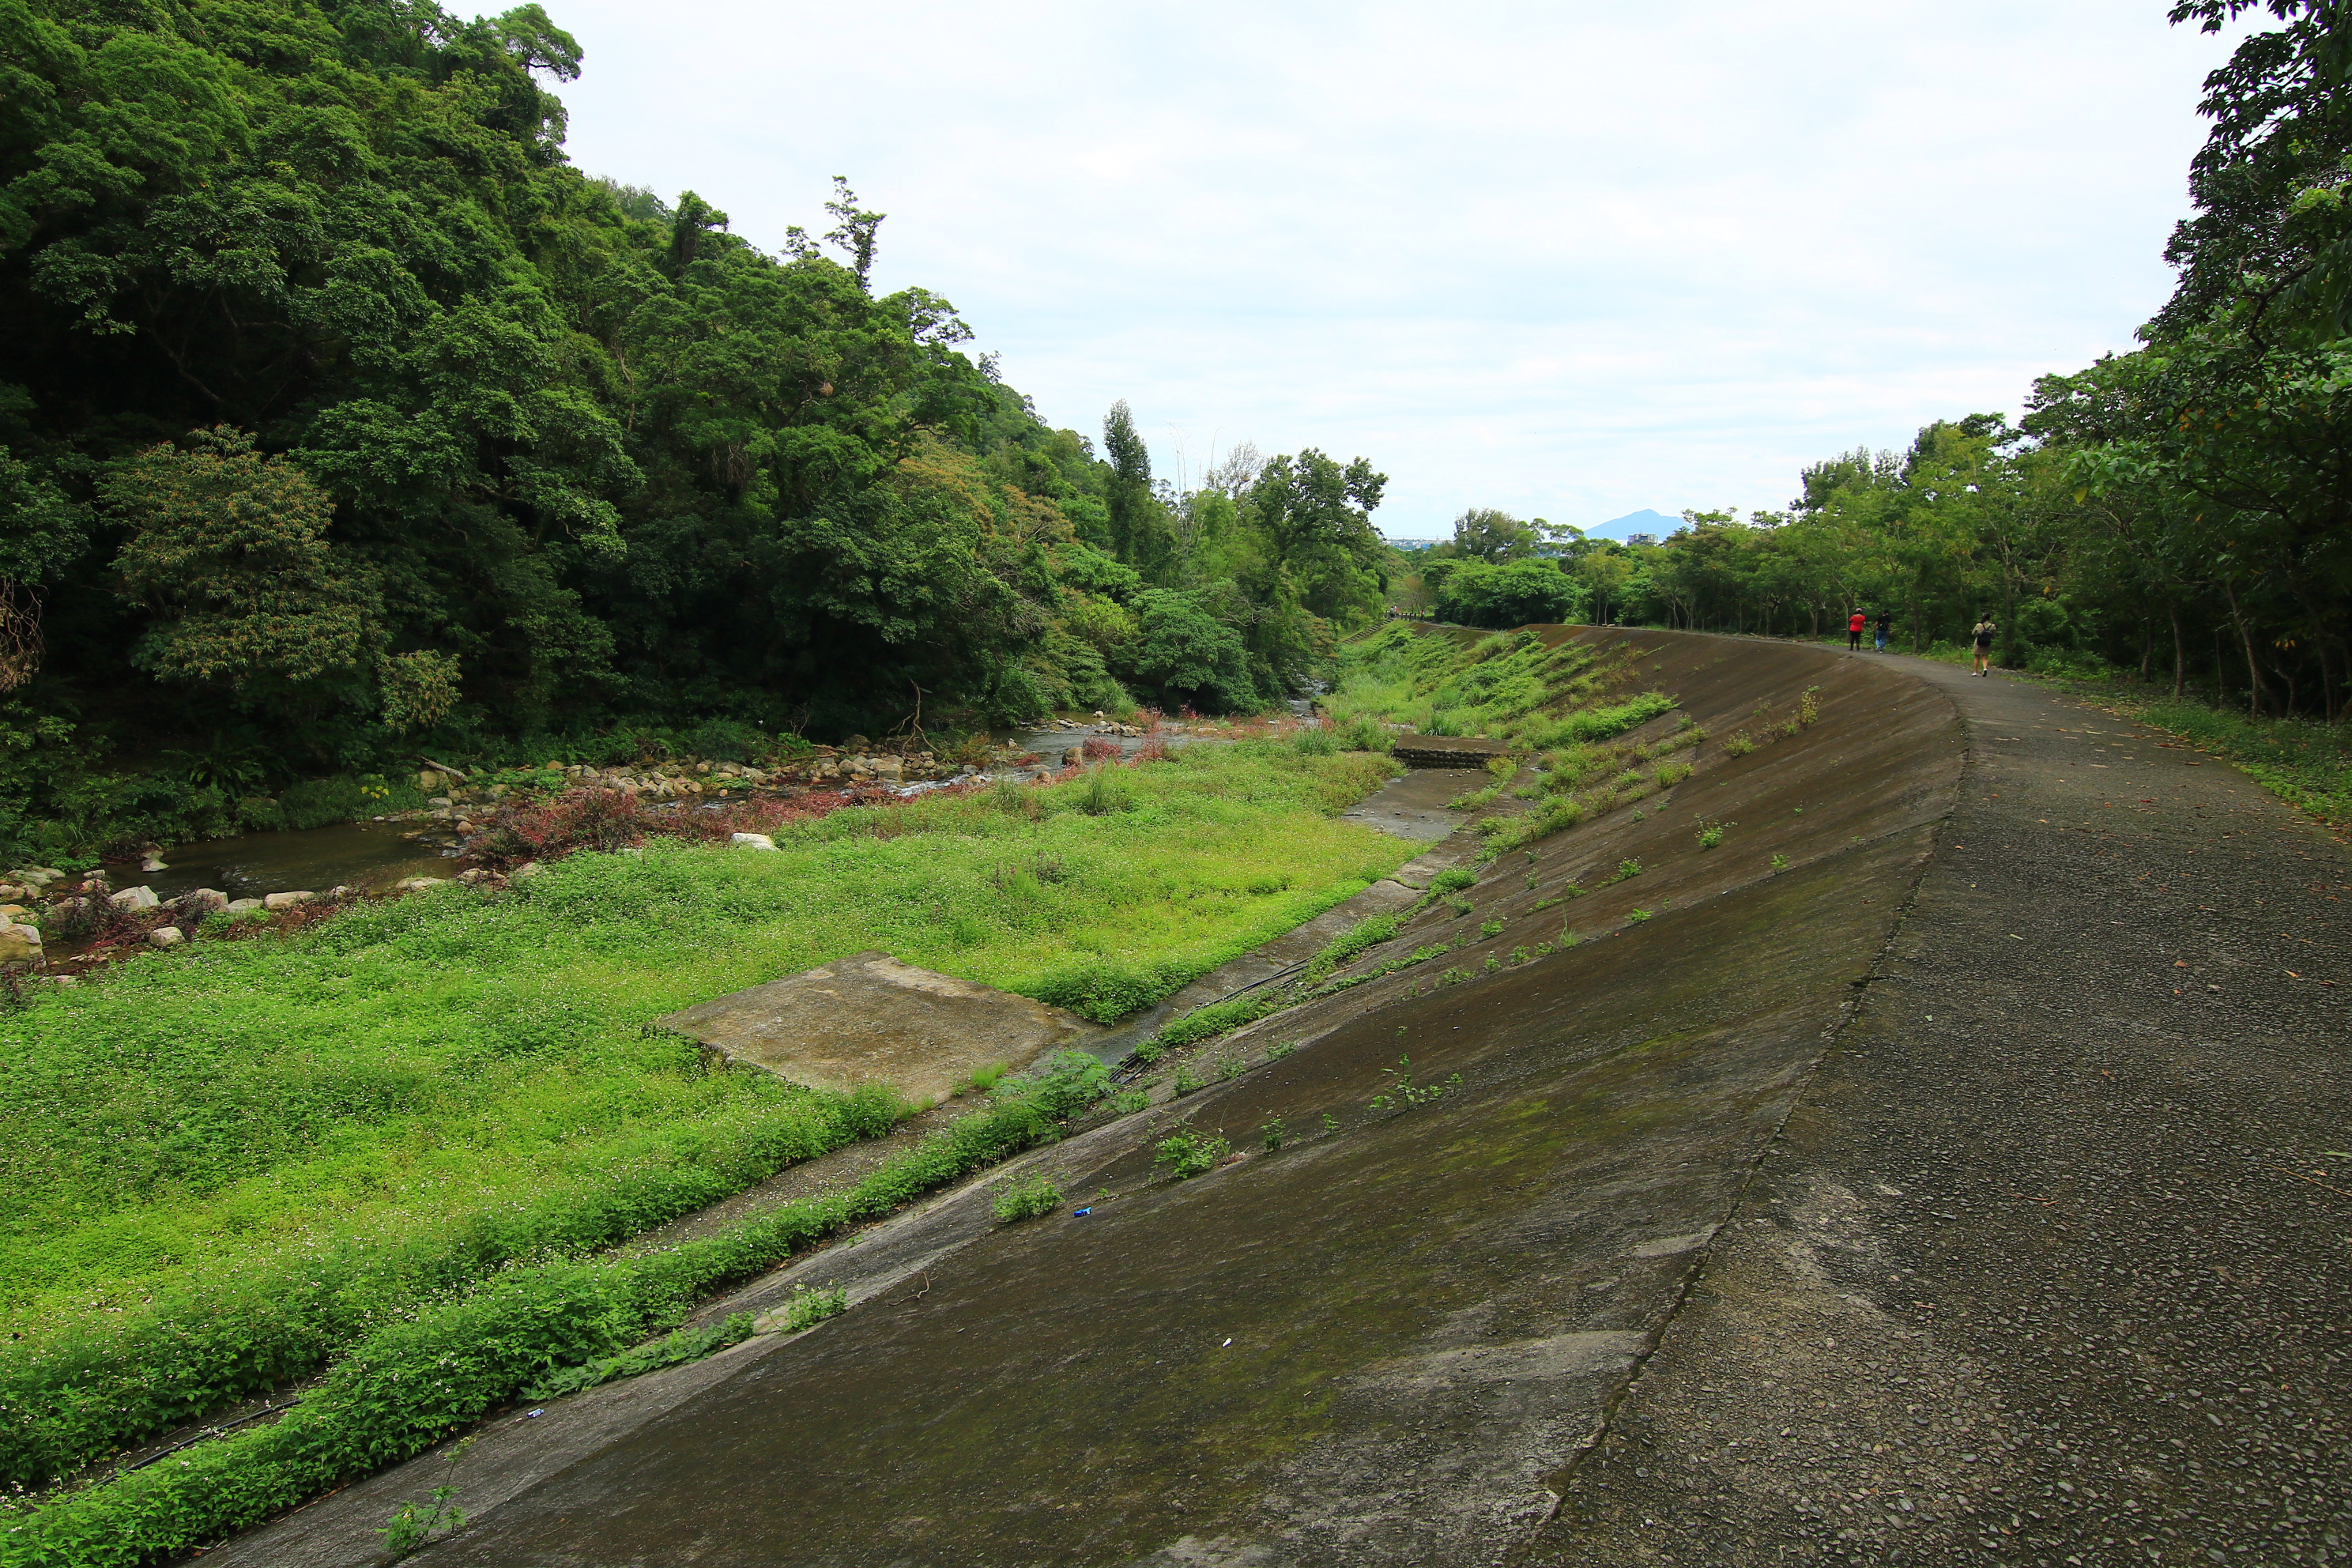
(453, 797)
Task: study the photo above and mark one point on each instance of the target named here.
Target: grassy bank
(1512, 686)
(529, 1333)
(222, 1166)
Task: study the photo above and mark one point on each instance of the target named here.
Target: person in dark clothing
(1982, 637)
(1886, 626)
(1853, 631)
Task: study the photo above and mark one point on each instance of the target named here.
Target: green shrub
(1026, 1198)
(1105, 988)
(1453, 879)
(1188, 1153)
(674, 1349)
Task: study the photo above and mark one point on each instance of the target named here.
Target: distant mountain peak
(1646, 520)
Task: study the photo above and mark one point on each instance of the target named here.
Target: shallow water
(366, 855)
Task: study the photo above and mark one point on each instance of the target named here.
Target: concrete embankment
(1385, 1341)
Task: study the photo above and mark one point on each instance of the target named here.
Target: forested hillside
(2183, 510)
(342, 419)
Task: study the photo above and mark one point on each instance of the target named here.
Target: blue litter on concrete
(1081, 1214)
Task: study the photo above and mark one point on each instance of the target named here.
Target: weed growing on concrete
(808, 1307)
(1673, 773)
(1453, 879)
(1405, 1093)
(1230, 1065)
(1740, 744)
(986, 1078)
(1490, 927)
(1627, 869)
(1026, 1197)
(1710, 834)
(1279, 1050)
(1188, 1153)
(1779, 862)
(1459, 905)
(1493, 964)
(1637, 917)
(1808, 706)
(671, 1349)
(1519, 955)
(1130, 1102)
(1185, 1082)
(412, 1524)
(1454, 976)
(1330, 1124)
(1270, 1135)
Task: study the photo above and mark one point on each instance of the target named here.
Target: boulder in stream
(142, 897)
(285, 901)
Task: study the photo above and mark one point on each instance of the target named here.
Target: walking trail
(2048, 1265)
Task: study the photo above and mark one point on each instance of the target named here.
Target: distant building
(1415, 544)
(1641, 539)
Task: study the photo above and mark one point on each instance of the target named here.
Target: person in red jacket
(1853, 631)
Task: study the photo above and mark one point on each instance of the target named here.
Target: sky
(1567, 259)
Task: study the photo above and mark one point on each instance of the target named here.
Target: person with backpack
(1853, 631)
(1885, 626)
(1984, 636)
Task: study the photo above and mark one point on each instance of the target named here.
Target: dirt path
(2049, 1267)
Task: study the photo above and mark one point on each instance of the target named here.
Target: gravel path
(2049, 1266)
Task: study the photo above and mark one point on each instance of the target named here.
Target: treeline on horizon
(2182, 511)
(344, 421)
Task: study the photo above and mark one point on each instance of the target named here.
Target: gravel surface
(2049, 1266)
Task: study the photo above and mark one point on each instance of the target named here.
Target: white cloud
(1567, 259)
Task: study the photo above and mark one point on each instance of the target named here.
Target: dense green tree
(1506, 594)
(334, 401)
(227, 552)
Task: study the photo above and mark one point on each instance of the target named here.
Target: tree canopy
(338, 409)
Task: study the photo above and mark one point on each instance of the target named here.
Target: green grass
(1511, 685)
(212, 1143)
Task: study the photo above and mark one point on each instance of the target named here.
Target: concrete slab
(1447, 750)
(868, 1018)
(1413, 806)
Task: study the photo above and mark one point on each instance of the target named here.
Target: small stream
(371, 855)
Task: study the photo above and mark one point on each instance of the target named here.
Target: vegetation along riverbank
(229, 1162)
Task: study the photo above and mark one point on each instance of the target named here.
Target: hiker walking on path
(1886, 626)
(1853, 631)
(1983, 635)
